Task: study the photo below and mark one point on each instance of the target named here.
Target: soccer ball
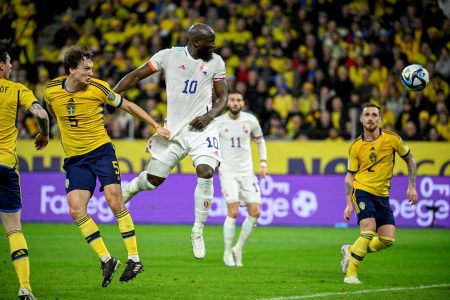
(415, 77)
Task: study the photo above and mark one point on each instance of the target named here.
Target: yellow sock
(91, 234)
(19, 255)
(126, 227)
(380, 242)
(358, 250)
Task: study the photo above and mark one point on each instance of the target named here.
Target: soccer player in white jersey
(239, 184)
(192, 73)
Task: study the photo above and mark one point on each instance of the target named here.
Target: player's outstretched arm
(41, 116)
(349, 179)
(411, 192)
(132, 78)
(137, 112)
(221, 89)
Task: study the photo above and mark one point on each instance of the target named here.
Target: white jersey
(189, 84)
(234, 139)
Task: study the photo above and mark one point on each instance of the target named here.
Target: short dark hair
(74, 55)
(5, 48)
(369, 104)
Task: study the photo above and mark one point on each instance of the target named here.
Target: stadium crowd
(305, 67)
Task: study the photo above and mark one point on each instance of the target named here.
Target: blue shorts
(10, 198)
(83, 170)
(368, 205)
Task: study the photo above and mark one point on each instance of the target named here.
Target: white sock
(138, 184)
(134, 257)
(143, 183)
(246, 230)
(105, 258)
(229, 228)
(203, 195)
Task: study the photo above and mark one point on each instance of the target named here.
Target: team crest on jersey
(373, 157)
(67, 183)
(204, 69)
(362, 205)
(245, 128)
(71, 107)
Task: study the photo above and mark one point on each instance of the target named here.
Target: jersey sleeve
(109, 97)
(220, 73)
(256, 128)
(26, 96)
(353, 163)
(157, 61)
(401, 147)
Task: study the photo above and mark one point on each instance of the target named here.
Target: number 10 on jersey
(190, 87)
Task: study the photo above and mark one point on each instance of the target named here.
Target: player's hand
(348, 212)
(41, 141)
(164, 132)
(263, 172)
(412, 195)
(201, 121)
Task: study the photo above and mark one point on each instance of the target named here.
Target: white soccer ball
(415, 77)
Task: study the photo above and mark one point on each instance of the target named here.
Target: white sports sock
(134, 257)
(229, 228)
(143, 183)
(139, 184)
(203, 195)
(105, 258)
(246, 230)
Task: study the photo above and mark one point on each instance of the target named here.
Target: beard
(370, 128)
(234, 111)
(204, 54)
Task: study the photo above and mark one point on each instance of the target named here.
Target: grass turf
(290, 262)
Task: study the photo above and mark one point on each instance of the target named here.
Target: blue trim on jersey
(404, 156)
(10, 211)
(7, 167)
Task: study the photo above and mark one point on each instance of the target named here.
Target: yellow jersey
(373, 162)
(80, 114)
(12, 96)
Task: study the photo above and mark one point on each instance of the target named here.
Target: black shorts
(10, 197)
(368, 205)
(82, 170)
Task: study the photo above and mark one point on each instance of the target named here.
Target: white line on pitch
(404, 288)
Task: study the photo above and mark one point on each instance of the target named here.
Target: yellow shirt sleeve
(401, 147)
(26, 96)
(353, 162)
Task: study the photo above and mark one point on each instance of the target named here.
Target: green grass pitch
(279, 263)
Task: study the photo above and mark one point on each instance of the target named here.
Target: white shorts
(243, 189)
(190, 142)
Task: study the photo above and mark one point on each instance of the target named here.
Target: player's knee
(77, 212)
(255, 214)
(155, 180)
(204, 171)
(232, 213)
